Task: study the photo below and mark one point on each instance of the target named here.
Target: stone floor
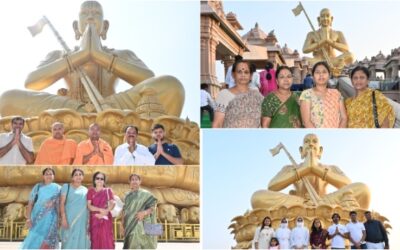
(15, 245)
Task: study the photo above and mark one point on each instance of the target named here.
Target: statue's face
(311, 143)
(325, 19)
(91, 12)
(57, 131)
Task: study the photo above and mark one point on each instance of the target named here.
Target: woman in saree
(100, 201)
(280, 109)
(238, 107)
(42, 214)
(360, 109)
(321, 107)
(74, 213)
(139, 208)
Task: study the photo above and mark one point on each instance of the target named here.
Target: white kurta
(14, 156)
(299, 237)
(283, 235)
(141, 156)
(263, 237)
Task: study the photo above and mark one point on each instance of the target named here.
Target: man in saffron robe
(56, 150)
(94, 151)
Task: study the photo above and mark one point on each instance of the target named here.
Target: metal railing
(16, 231)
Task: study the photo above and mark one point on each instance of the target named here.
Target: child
(274, 244)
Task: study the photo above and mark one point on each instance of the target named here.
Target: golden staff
(313, 194)
(296, 12)
(94, 95)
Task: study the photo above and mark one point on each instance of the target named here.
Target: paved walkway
(15, 245)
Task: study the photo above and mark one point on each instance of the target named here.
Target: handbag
(153, 229)
(118, 205)
(375, 110)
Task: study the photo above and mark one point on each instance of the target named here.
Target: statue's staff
(296, 12)
(313, 194)
(94, 95)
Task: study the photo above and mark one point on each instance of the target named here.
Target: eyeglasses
(99, 179)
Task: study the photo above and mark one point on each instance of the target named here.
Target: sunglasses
(299, 220)
(99, 179)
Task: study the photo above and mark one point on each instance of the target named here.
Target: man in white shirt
(206, 102)
(299, 237)
(229, 78)
(131, 152)
(337, 232)
(356, 233)
(15, 147)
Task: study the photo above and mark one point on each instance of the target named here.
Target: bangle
(70, 68)
(324, 176)
(297, 174)
(111, 66)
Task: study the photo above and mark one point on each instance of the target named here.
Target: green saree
(135, 237)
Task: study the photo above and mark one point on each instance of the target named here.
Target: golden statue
(99, 65)
(309, 198)
(323, 43)
(314, 173)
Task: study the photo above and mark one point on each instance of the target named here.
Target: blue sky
(368, 26)
(236, 163)
(163, 34)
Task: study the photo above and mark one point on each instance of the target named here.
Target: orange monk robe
(56, 152)
(86, 147)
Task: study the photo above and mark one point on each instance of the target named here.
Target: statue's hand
(95, 44)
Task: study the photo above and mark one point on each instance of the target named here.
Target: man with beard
(131, 152)
(337, 233)
(56, 150)
(15, 147)
(164, 153)
(94, 151)
(299, 237)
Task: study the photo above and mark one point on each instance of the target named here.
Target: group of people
(243, 106)
(17, 148)
(368, 235)
(84, 215)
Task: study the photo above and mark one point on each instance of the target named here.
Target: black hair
(253, 68)
(131, 126)
(77, 170)
(367, 212)
(204, 86)
(353, 212)
(268, 67)
(323, 63)
(280, 68)
(275, 239)
(138, 176)
(235, 64)
(157, 126)
(333, 215)
(94, 178)
(238, 58)
(18, 118)
(313, 228)
(52, 170)
(263, 225)
(359, 68)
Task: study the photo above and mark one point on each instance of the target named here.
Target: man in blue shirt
(164, 153)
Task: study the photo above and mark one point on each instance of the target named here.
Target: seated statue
(330, 40)
(352, 195)
(102, 65)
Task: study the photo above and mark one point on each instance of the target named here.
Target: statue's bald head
(325, 18)
(311, 142)
(91, 12)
